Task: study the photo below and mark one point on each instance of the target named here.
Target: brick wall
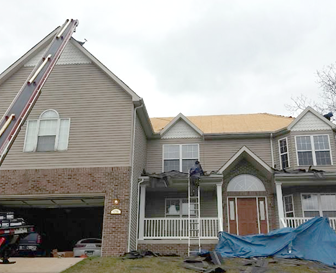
(179, 249)
(112, 181)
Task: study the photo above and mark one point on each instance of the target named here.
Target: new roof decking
(245, 123)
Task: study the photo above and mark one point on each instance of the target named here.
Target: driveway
(38, 265)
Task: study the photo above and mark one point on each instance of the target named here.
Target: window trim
(313, 149)
(38, 120)
(319, 203)
(180, 153)
(286, 138)
(284, 204)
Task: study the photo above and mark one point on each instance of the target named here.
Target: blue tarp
(314, 240)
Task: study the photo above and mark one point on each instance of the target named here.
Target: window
(283, 151)
(289, 206)
(179, 157)
(319, 204)
(48, 133)
(313, 150)
(177, 207)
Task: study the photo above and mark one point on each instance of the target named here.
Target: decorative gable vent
(181, 130)
(310, 122)
(70, 55)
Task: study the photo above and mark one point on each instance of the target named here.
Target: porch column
(280, 204)
(142, 211)
(220, 207)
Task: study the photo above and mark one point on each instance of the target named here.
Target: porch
(163, 210)
(294, 222)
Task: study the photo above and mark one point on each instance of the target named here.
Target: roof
(244, 123)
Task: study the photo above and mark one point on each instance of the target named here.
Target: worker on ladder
(195, 173)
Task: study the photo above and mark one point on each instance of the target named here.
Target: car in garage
(31, 245)
(89, 247)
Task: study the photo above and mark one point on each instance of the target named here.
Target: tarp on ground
(314, 240)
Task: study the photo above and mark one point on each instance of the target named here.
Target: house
(89, 162)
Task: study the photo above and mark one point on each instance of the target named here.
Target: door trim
(236, 208)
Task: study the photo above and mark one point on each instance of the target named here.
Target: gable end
(180, 130)
(310, 122)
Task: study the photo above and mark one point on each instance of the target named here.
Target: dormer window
(179, 157)
(313, 150)
(48, 133)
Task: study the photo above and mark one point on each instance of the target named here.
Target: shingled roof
(244, 123)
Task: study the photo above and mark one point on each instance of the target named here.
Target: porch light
(116, 201)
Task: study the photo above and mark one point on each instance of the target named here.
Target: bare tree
(327, 101)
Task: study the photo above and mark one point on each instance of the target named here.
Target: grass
(173, 264)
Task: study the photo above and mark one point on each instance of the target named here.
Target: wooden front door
(247, 216)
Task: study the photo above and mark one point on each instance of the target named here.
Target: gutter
(132, 173)
(272, 155)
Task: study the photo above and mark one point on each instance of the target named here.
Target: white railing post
(142, 212)
(219, 207)
(280, 204)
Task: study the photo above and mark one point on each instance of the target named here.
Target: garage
(61, 220)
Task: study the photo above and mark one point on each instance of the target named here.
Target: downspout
(272, 155)
(137, 225)
(132, 174)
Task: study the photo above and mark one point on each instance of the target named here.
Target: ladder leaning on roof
(24, 101)
(194, 219)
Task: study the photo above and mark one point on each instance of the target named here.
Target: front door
(247, 216)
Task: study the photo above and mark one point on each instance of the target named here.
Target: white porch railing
(177, 228)
(294, 222)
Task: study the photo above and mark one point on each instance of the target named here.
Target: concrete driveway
(38, 265)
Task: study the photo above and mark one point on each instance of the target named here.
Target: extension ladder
(194, 220)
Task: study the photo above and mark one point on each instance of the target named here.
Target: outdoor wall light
(116, 201)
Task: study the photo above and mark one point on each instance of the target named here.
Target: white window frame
(59, 119)
(181, 207)
(319, 203)
(313, 150)
(280, 154)
(284, 204)
(180, 154)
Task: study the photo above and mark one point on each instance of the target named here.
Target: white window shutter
(31, 136)
(63, 137)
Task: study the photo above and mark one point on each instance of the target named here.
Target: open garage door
(62, 220)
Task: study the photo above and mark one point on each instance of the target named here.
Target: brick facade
(114, 182)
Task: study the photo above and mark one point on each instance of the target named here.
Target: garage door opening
(60, 221)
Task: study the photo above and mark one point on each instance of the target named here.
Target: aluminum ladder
(194, 220)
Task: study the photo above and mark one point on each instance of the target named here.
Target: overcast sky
(196, 57)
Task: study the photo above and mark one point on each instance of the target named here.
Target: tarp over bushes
(314, 240)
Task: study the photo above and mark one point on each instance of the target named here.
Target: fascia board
(29, 54)
(124, 86)
(176, 119)
(309, 109)
(145, 120)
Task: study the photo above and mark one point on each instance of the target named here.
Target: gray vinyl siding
(155, 202)
(140, 147)
(213, 153)
(292, 148)
(100, 112)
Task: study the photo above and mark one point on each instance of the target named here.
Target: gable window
(283, 151)
(48, 133)
(318, 204)
(313, 150)
(289, 206)
(179, 157)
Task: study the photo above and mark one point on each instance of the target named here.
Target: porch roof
(306, 178)
(178, 179)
